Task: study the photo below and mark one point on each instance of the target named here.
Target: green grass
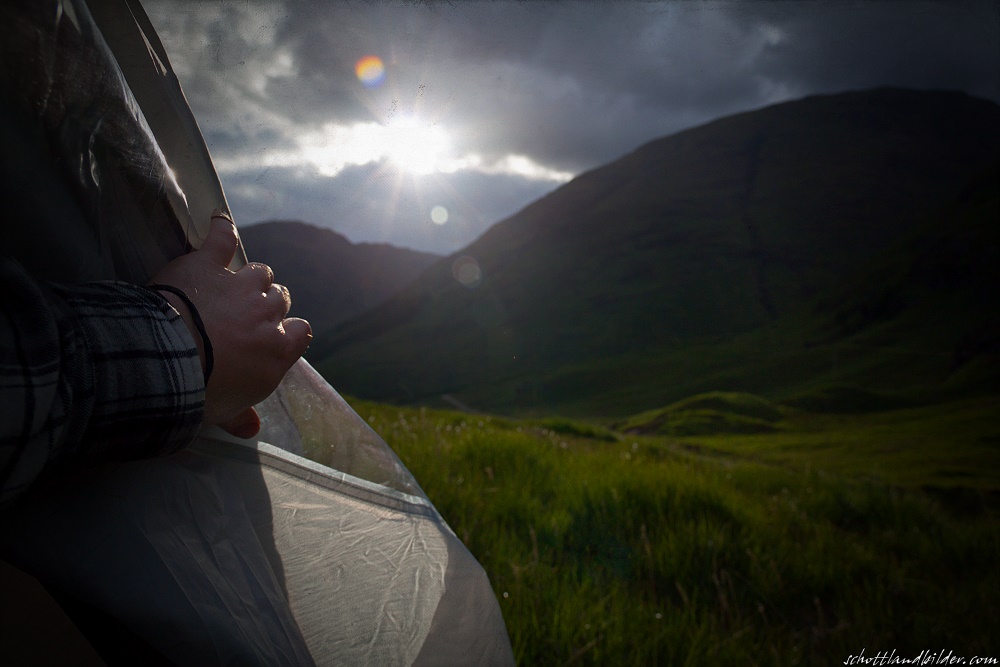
(801, 546)
(711, 413)
(951, 446)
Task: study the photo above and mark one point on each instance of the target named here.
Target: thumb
(220, 244)
(244, 425)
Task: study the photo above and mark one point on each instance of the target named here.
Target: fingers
(244, 425)
(282, 300)
(220, 244)
(298, 336)
(260, 274)
(274, 305)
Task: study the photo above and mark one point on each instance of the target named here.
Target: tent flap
(230, 552)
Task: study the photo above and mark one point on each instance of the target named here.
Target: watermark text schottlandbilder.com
(941, 657)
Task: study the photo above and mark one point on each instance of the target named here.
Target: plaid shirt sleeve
(90, 373)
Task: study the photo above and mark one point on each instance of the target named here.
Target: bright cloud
(407, 144)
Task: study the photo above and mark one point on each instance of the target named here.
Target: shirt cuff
(147, 376)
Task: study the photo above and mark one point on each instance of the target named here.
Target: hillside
(331, 279)
(934, 292)
(712, 259)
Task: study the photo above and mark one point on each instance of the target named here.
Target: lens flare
(466, 271)
(439, 215)
(370, 71)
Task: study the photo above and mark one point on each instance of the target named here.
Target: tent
(232, 551)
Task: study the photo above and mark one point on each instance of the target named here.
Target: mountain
(698, 262)
(330, 278)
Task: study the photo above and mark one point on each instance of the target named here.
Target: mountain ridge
(700, 236)
(330, 278)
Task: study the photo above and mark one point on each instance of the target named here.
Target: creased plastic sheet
(230, 552)
(239, 553)
(377, 577)
(305, 415)
(168, 548)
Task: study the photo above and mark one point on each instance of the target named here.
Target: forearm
(105, 371)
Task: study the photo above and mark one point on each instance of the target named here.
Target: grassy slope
(802, 546)
(917, 319)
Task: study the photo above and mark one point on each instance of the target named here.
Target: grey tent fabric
(243, 553)
(231, 552)
(307, 414)
(87, 146)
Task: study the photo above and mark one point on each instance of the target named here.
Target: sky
(421, 124)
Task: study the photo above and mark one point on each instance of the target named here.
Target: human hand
(243, 312)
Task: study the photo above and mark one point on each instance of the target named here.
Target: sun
(415, 146)
(406, 144)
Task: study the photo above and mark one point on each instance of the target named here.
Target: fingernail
(219, 213)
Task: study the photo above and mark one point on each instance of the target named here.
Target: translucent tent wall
(232, 551)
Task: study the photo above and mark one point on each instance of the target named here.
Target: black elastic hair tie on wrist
(196, 317)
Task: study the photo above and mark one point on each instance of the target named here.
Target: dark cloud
(228, 143)
(569, 84)
(923, 45)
